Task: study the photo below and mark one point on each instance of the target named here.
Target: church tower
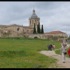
(34, 19)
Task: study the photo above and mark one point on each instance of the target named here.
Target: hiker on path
(63, 50)
(50, 47)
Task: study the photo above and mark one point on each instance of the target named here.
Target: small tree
(42, 30)
(34, 31)
(38, 28)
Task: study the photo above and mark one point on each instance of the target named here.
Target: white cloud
(23, 22)
(53, 15)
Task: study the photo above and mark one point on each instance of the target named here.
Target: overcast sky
(53, 15)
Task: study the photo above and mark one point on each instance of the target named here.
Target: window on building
(32, 21)
(17, 29)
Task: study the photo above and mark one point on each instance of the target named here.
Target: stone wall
(41, 36)
(14, 31)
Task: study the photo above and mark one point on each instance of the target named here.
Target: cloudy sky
(53, 15)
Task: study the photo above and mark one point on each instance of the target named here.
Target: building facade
(34, 19)
(56, 33)
(27, 31)
(18, 30)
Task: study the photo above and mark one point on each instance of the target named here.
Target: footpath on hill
(58, 57)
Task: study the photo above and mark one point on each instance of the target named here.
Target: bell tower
(34, 19)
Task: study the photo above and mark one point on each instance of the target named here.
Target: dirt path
(58, 57)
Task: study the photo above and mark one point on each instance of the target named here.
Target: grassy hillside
(24, 53)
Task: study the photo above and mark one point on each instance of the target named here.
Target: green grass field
(24, 53)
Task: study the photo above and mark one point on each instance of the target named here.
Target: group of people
(63, 49)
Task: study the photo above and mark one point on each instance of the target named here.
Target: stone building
(56, 33)
(34, 19)
(50, 35)
(14, 30)
(18, 30)
(27, 31)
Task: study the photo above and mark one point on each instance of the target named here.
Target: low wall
(41, 36)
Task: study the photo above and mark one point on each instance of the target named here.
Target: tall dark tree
(34, 31)
(38, 28)
(42, 30)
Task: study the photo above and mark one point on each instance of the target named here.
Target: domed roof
(34, 15)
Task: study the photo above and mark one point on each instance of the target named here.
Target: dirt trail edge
(58, 57)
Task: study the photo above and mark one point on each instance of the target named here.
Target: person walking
(63, 49)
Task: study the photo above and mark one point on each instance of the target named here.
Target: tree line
(39, 30)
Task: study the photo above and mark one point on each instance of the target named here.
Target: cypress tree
(42, 30)
(34, 31)
(38, 28)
